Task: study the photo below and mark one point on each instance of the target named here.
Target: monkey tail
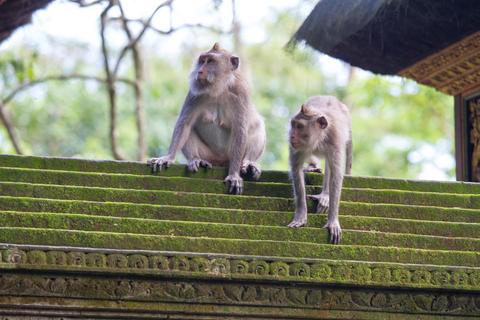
(348, 162)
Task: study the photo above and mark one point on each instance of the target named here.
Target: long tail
(348, 162)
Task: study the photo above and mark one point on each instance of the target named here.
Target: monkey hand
(323, 201)
(196, 163)
(157, 164)
(234, 183)
(334, 230)
(299, 220)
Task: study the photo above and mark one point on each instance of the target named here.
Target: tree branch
(139, 35)
(26, 85)
(112, 96)
(84, 4)
(5, 119)
(174, 29)
(138, 68)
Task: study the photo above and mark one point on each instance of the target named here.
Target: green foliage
(393, 120)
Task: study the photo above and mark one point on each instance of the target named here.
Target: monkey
(322, 128)
(218, 123)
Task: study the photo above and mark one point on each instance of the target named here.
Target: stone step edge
(236, 267)
(182, 184)
(142, 226)
(353, 209)
(52, 237)
(131, 167)
(259, 218)
(241, 201)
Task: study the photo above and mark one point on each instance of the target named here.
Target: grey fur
(334, 143)
(218, 123)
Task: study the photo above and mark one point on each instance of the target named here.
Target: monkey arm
(183, 125)
(336, 163)
(300, 217)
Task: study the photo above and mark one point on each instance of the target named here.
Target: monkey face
(305, 131)
(211, 66)
(207, 68)
(299, 136)
(214, 71)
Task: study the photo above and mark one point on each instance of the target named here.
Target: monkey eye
(210, 61)
(300, 125)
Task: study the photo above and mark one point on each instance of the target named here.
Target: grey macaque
(218, 123)
(322, 128)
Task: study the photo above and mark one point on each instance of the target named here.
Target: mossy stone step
(229, 231)
(357, 209)
(250, 217)
(237, 246)
(123, 181)
(137, 168)
(230, 201)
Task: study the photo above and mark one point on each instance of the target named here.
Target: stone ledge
(233, 267)
(218, 296)
(76, 238)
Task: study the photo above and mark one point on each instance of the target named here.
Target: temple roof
(388, 37)
(16, 13)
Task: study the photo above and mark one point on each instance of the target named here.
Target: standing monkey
(218, 123)
(322, 128)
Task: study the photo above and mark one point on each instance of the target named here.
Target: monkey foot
(251, 169)
(158, 164)
(312, 169)
(235, 184)
(335, 231)
(298, 222)
(195, 164)
(323, 201)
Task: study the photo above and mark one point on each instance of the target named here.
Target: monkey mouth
(203, 81)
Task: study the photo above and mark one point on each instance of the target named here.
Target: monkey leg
(323, 199)
(254, 150)
(198, 154)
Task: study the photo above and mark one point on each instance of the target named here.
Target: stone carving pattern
(332, 272)
(473, 106)
(240, 294)
(453, 70)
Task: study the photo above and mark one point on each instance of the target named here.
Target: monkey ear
(322, 121)
(235, 61)
(216, 47)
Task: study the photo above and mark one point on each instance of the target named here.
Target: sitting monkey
(322, 128)
(218, 123)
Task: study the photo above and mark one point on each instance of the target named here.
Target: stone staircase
(109, 240)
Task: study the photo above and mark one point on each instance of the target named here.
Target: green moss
(221, 230)
(252, 217)
(137, 168)
(142, 196)
(236, 246)
(129, 181)
(229, 201)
